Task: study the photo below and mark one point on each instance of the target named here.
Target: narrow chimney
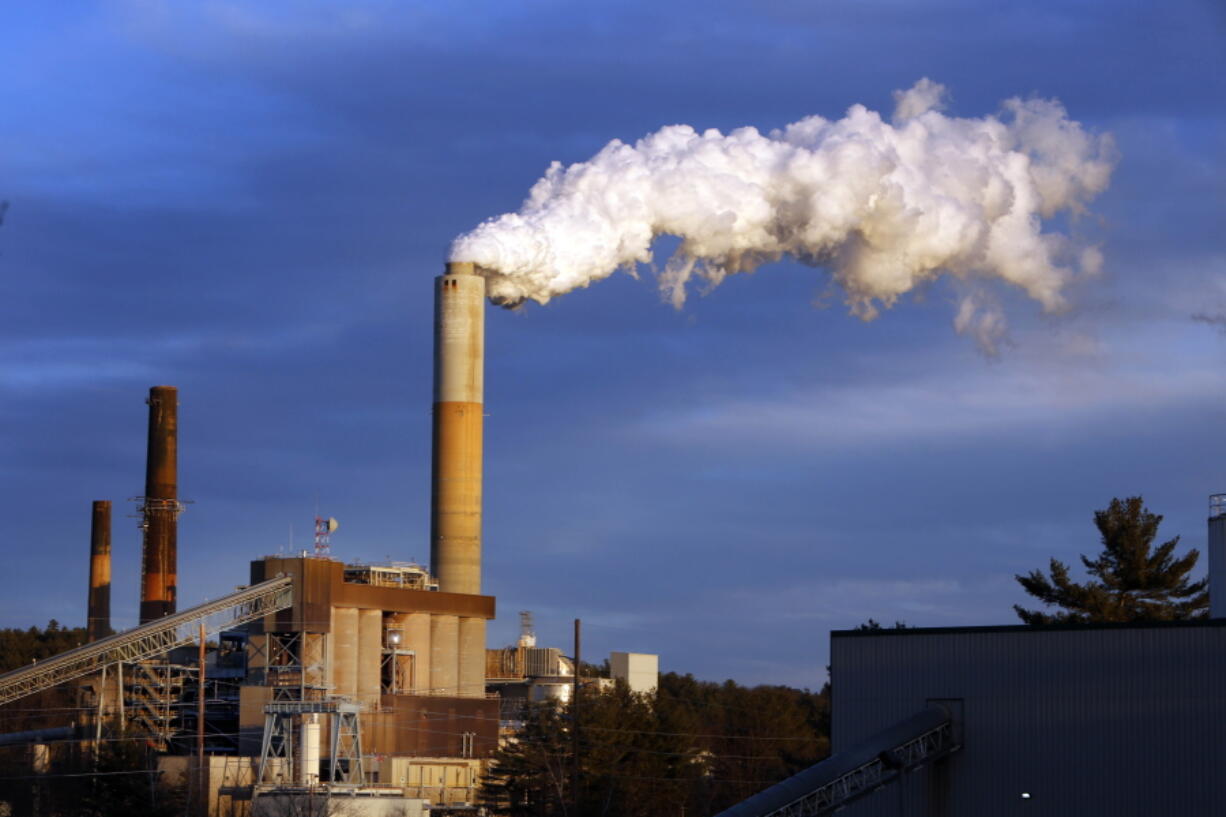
(1217, 556)
(455, 502)
(98, 611)
(160, 511)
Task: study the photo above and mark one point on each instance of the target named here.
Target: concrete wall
(417, 638)
(344, 649)
(444, 655)
(251, 700)
(640, 671)
(370, 656)
(472, 657)
(230, 780)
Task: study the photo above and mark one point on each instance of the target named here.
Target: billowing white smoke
(885, 206)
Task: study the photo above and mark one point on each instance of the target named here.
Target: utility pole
(201, 777)
(574, 721)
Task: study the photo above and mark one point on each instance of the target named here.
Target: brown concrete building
(378, 636)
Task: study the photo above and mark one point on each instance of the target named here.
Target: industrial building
(370, 685)
(1093, 719)
(318, 679)
(1059, 720)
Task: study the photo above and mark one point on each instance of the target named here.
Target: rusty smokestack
(98, 611)
(459, 362)
(160, 510)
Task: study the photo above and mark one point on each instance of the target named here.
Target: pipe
(38, 735)
(98, 610)
(160, 511)
(455, 495)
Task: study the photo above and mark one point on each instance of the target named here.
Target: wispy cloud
(839, 601)
(1060, 383)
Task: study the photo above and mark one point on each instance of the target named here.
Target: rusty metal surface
(98, 612)
(160, 509)
(431, 726)
(412, 601)
(319, 584)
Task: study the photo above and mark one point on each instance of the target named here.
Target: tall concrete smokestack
(459, 362)
(160, 511)
(98, 611)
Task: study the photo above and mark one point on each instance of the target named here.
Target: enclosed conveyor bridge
(869, 765)
(152, 639)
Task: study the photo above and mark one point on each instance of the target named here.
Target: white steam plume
(886, 206)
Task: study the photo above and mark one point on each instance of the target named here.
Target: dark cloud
(1217, 321)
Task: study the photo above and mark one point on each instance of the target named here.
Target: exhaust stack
(459, 362)
(160, 509)
(1217, 556)
(98, 611)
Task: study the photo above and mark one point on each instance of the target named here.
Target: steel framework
(868, 777)
(346, 766)
(152, 639)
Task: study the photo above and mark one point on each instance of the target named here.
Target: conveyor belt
(150, 640)
(849, 775)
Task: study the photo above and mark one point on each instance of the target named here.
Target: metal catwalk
(152, 639)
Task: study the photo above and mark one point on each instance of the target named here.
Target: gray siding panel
(1117, 721)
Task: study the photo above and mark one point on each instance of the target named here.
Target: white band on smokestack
(459, 335)
(459, 352)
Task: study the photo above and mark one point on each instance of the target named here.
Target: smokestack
(1217, 556)
(455, 495)
(98, 611)
(160, 511)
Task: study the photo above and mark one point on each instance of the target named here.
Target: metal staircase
(150, 640)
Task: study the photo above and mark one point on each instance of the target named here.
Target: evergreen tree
(529, 775)
(692, 747)
(1131, 580)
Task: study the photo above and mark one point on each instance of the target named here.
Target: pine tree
(1131, 580)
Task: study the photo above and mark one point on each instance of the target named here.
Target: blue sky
(249, 201)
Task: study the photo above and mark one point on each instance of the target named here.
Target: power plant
(326, 678)
(368, 689)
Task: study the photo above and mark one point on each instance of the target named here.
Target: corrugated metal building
(1091, 720)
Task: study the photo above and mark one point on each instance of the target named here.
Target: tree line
(691, 747)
